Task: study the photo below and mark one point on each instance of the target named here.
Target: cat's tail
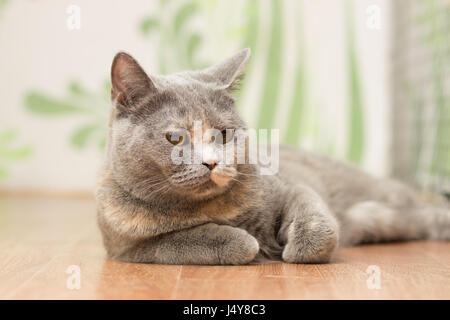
(371, 221)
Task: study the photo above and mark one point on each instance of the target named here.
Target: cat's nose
(210, 164)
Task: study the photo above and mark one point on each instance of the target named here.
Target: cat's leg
(372, 221)
(438, 220)
(309, 230)
(207, 244)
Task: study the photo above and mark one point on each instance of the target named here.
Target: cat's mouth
(222, 176)
(217, 182)
(213, 180)
(220, 179)
(209, 182)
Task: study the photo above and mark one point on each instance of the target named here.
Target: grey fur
(151, 210)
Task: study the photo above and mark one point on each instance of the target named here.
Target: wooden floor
(41, 237)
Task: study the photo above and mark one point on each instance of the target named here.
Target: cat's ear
(226, 73)
(129, 82)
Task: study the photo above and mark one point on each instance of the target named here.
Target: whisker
(158, 190)
(249, 175)
(236, 180)
(153, 186)
(149, 180)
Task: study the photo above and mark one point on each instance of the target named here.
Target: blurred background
(366, 81)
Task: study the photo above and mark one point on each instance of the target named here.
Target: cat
(151, 210)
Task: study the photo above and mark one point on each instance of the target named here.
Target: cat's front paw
(240, 248)
(314, 243)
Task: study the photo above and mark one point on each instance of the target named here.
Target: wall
(318, 73)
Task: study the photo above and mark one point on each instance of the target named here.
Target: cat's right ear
(129, 82)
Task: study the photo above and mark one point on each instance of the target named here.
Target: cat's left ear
(130, 83)
(229, 71)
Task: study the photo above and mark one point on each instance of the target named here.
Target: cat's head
(152, 115)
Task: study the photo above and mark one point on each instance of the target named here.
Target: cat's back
(333, 179)
(301, 164)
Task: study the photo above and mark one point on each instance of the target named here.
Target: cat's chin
(223, 175)
(210, 187)
(211, 184)
(219, 179)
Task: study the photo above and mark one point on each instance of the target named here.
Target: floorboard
(41, 237)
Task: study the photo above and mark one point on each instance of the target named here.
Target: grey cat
(152, 210)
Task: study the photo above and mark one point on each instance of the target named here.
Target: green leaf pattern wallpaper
(318, 73)
(421, 87)
(10, 150)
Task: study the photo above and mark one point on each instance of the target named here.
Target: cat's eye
(227, 135)
(176, 138)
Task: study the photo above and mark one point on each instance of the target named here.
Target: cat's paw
(316, 244)
(240, 248)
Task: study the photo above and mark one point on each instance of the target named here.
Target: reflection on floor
(40, 238)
